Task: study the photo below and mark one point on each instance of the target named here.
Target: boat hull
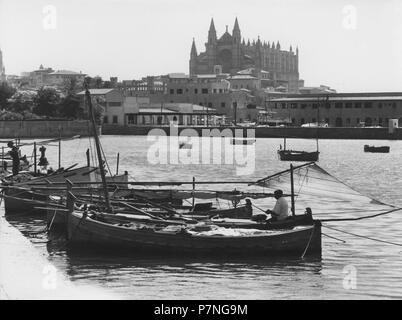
(84, 231)
(289, 155)
(372, 149)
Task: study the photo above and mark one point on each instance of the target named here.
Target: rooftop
(66, 72)
(96, 91)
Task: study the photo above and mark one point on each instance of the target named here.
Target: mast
(318, 121)
(98, 150)
(292, 190)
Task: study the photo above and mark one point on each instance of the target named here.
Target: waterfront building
(145, 87)
(212, 91)
(108, 101)
(231, 53)
(339, 109)
(49, 77)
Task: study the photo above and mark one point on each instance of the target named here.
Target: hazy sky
(135, 38)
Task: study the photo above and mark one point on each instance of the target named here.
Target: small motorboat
(292, 155)
(242, 141)
(373, 149)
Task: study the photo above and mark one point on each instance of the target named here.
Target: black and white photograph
(213, 153)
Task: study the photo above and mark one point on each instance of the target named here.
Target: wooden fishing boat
(19, 198)
(103, 233)
(292, 155)
(373, 149)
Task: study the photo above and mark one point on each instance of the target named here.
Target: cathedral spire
(236, 26)
(236, 32)
(193, 49)
(278, 46)
(212, 32)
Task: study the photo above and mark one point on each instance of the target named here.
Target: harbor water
(350, 267)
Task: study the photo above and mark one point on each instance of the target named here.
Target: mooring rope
(361, 218)
(364, 237)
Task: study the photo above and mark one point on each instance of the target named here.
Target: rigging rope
(364, 237)
(361, 218)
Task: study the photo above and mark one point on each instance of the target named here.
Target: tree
(70, 107)
(6, 92)
(46, 102)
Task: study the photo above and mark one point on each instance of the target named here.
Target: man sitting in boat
(281, 209)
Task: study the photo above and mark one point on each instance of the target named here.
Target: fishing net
(314, 187)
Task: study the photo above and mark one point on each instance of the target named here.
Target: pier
(27, 275)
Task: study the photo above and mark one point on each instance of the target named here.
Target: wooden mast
(292, 187)
(98, 150)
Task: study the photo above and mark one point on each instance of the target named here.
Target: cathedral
(231, 54)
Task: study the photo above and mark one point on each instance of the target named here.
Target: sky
(351, 46)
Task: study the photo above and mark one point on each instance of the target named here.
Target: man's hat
(278, 192)
(10, 144)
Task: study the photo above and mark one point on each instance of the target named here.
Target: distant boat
(292, 155)
(383, 149)
(242, 141)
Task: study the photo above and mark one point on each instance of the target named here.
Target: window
(204, 91)
(380, 121)
(220, 90)
(195, 91)
(303, 106)
(179, 91)
(283, 105)
(328, 105)
(338, 122)
(358, 105)
(368, 122)
(348, 121)
(105, 120)
(315, 105)
(302, 121)
(115, 119)
(114, 104)
(368, 105)
(394, 105)
(338, 105)
(313, 120)
(209, 104)
(348, 105)
(380, 105)
(171, 91)
(357, 120)
(215, 90)
(293, 105)
(223, 105)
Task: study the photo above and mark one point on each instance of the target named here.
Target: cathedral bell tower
(211, 46)
(236, 46)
